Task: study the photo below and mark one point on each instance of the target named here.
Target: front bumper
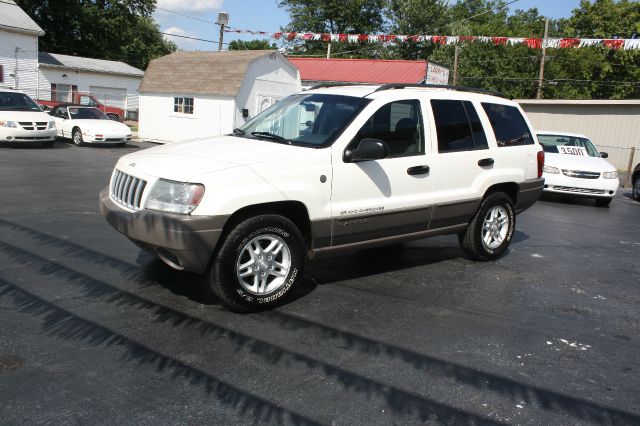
(561, 184)
(183, 242)
(529, 192)
(19, 135)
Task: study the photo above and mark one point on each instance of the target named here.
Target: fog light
(9, 138)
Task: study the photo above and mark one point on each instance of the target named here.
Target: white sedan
(573, 166)
(84, 124)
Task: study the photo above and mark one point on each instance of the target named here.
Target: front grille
(114, 140)
(33, 138)
(580, 190)
(127, 190)
(580, 174)
(38, 125)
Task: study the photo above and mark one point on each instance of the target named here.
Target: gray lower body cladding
(183, 241)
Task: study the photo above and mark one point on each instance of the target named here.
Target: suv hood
(185, 161)
(575, 162)
(25, 116)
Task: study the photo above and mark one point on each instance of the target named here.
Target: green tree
(119, 30)
(252, 45)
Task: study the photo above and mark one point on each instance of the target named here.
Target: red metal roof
(360, 70)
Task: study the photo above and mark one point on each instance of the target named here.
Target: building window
(183, 105)
(63, 92)
(1, 74)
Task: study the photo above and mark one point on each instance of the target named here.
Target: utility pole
(328, 50)
(456, 55)
(544, 57)
(223, 20)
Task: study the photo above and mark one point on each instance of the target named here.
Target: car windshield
(13, 101)
(312, 120)
(87, 114)
(550, 143)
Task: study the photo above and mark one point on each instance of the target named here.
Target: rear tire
(489, 233)
(603, 202)
(259, 263)
(636, 188)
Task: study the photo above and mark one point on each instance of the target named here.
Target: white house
(187, 95)
(18, 49)
(113, 83)
(50, 76)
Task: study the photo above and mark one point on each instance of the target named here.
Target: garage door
(111, 96)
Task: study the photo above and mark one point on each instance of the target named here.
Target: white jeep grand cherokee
(329, 169)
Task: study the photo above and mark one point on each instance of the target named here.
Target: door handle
(485, 162)
(418, 170)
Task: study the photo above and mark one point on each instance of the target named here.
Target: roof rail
(338, 84)
(392, 86)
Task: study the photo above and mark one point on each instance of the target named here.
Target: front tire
(76, 137)
(259, 263)
(489, 233)
(636, 188)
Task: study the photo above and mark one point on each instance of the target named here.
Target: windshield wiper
(239, 132)
(271, 136)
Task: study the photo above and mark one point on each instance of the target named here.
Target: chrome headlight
(610, 175)
(12, 124)
(52, 124)
(174, 197)
(552, 170)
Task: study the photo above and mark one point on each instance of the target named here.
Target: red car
(86, 99)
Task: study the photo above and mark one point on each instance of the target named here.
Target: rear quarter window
(508, 125)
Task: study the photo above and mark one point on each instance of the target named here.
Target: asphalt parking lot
(92, 330)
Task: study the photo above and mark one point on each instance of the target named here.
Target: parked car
(88, 125)
(635, 179)
(23, 122)
(86, 99)
(573, 166)
(376, 166)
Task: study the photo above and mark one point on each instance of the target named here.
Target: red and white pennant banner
(534, 43)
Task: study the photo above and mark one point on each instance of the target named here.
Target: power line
(476, 15)
(185, 16)
(191, 38)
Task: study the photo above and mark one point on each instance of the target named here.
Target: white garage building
(188, 95)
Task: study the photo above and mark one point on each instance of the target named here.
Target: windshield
(550, 143)
(87, 114)
(313, 120)
(12, 101)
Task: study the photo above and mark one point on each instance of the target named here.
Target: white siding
(268, 79)
(85, 80)
(26, 77)
(612, 127)
(212, 116)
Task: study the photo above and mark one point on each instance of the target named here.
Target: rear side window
(508, 125)
(458, 126)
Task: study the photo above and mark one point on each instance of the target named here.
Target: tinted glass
(508, 125)
(14, 101)
(458, 126)
(399, 125)
(87, 114)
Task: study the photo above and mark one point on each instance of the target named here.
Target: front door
(376, 199)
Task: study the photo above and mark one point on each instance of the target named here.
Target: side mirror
(367, 149)
(604, 155)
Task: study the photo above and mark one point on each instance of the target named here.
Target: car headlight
(12, 124)
(174, 197)
(552, 170)
(610, 175)
(52, 124)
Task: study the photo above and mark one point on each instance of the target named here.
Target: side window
(399, 125)
(508, 125)
(183, 105)
(458, 126)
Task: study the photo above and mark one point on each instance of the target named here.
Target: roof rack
(392, 86)
(338, 84)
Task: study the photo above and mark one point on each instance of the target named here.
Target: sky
(265, 15)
